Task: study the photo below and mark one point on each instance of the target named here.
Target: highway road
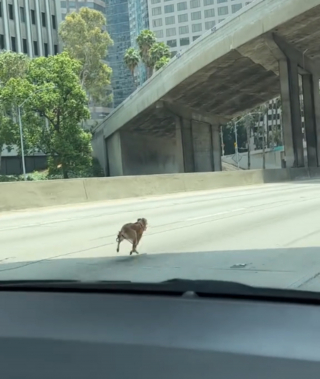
(260, 235)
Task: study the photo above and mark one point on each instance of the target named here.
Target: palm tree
(161, 63)
(145, 40)
(131, 59)
(159, 51)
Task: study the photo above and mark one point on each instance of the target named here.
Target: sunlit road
(262, 235)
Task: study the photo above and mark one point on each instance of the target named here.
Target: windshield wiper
(174, 287)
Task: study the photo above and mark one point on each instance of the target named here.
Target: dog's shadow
(128, 258)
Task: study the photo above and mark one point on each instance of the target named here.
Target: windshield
(147, 140)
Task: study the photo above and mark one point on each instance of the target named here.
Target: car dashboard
(64, 334)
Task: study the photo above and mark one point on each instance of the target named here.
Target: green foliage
(12, 65)
(159, 50)
(85, 39)
(161, 63)
(153, 54)
(131, 59)
(54, 105)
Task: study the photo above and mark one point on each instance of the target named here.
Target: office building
(179, 22)
(138, 20)
(68, 6)
(119, 30)
(30, 26)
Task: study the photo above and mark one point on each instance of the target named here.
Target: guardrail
(47, 193)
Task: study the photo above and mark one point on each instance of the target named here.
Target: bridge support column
(311, 114)
(292, 64)
(114, 153)
(187, 145)
(216, 145)
(291, 114)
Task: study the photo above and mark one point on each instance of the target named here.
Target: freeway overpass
(171, 124)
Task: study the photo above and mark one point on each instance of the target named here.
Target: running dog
(132, 232)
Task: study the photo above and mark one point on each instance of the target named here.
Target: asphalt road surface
(260, 235)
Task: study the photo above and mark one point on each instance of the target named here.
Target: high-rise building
(180, 22)
(30, 26)
(119, 30)
(68, 6)
(138, 20)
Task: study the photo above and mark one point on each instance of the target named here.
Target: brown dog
(132, 232)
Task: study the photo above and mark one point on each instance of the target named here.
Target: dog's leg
(134, 244)
(119, 239)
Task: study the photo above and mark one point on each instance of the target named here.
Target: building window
(170, 20)
(184, 41)
(0, 8)
(156, 11)
(25, 46)
(196, 15)
(155, 1)
(196, 28)
(194, 3)
(157, 22)
(55, 49)
(183, 17)
(209, 13)
(195, 37)
(208, 2)
(171, 32)
(35, 48)
(209, 24)
(13, 44)
(182, 6)
(169, 8)
(236, 7)
(33, 16)
(184, 29)
(222, 11)
(54, 22)
(221, 1)
(2, 44)
(43, 18)
(46, 49)
(22, 15)
(172, 43)
(158, 33)
(11, 11)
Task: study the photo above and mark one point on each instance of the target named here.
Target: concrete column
(296, 114)
(187, 145)
(309, 120)
(202, 145)
(179, 146)
(316, 105)
(216, 146)
(114, 153)
(291, 115)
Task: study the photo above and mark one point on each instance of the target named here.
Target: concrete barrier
(23, 195)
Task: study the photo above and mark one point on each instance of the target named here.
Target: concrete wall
(144, 154)
(24, 195)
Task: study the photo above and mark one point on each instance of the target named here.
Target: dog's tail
(118, 236)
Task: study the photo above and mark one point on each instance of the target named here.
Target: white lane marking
(215, 214)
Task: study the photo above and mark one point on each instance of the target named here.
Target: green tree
(12, 65)
(85, 39)
(158, 51)
(145, 40)
(161, 63)
(54, 106)
(132, 59)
